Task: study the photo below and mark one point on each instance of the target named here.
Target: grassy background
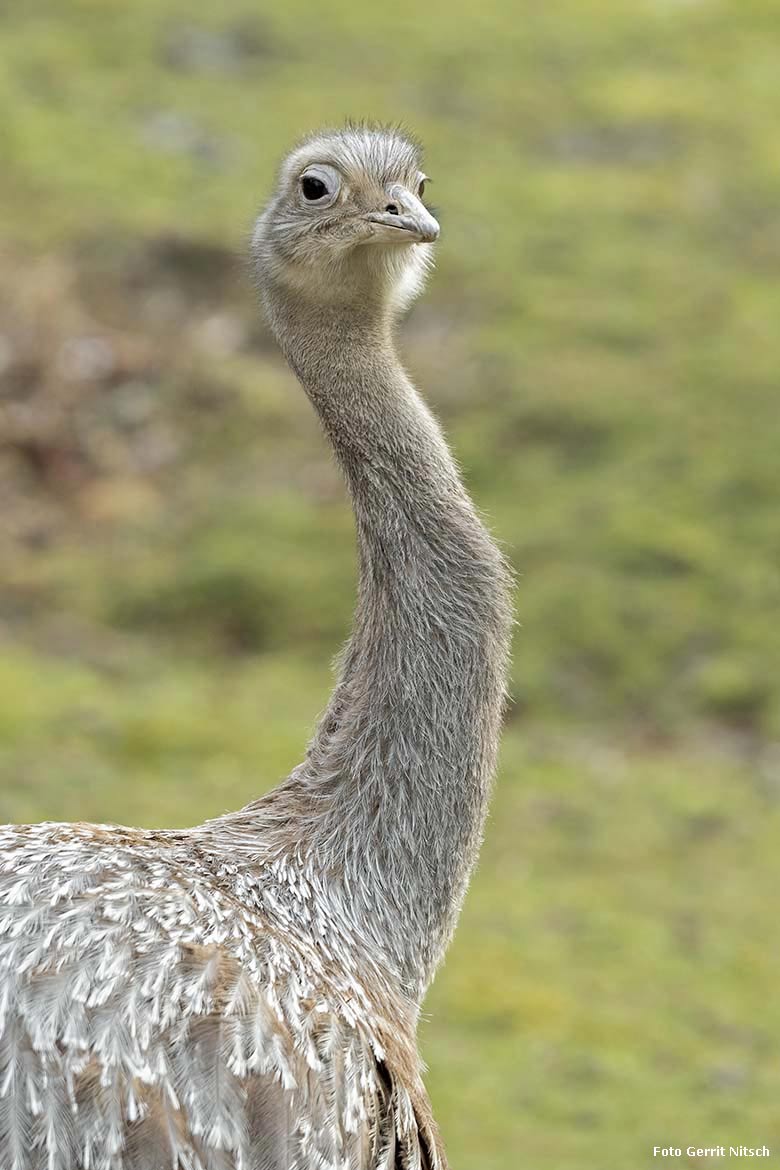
(600, 340)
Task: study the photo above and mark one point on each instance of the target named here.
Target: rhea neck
(397, 777)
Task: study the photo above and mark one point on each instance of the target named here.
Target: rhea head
(347, 223)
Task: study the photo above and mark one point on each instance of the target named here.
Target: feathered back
(148, 1018)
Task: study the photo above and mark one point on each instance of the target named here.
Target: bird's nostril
(392, 208)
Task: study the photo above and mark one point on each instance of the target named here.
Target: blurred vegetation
(601, 342)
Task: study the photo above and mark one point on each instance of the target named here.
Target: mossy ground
(600, 341)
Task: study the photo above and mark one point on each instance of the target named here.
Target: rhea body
(245, 994)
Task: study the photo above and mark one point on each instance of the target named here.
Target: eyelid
(322, 168)
(318, 170)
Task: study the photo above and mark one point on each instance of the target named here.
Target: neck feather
(394, 788)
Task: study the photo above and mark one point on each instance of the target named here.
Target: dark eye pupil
(421, 188)
(313, 188)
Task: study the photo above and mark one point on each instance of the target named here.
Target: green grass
(600, 341)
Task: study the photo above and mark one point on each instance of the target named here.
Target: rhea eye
(421, 189)
(320, 183)
(313, 188)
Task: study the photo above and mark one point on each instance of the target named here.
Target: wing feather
(148, 1020)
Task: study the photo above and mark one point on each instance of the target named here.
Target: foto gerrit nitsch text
(711, 1151)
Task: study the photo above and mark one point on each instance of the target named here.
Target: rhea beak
(405, 220)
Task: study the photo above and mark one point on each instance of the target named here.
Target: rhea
(244, 995)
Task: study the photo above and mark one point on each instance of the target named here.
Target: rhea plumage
(244, 995)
